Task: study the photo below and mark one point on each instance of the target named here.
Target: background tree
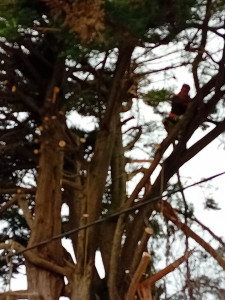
(95, 58)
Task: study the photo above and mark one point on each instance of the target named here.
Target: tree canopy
(63, 60)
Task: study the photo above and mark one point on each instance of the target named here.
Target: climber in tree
(180, 103)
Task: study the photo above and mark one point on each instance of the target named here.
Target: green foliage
(211, 204)
(86, 102)
(16, 227)
(125, 15)
(218, 6)
(155, 226)
(137, 17)
(154, 97)
(16, 15)
(127, 19)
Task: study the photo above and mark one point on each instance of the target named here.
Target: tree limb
(38, 261)
(22, 294)
(209, 231)
(130, 145)
(137, 276)
(171, 215)
(8, 204)
(144, 288)
(202, 46)
(27, 101)
(15, 190)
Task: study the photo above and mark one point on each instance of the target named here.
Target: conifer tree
(92, 57)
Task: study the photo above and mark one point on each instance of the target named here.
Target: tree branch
(140, 248)
(27, 101)
(15, 190)
(23, 294)
(198, 58)
(137, 276)
(130, 145)
(38, 261)
(8, 204)
(203, 142)
(144, 288)
(18, 192)
(209, 231)
(171, 215)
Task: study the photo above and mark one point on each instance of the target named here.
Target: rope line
(113, 215)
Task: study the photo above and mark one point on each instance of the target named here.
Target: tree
(64, 57)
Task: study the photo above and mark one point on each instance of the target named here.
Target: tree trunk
(81, 286)
(118, 197)
(47, 220)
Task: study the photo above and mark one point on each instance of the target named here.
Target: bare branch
(130, 145)
(210, 231)
(139, 250)
(144, 288)
(38, 261)
(72, 184)
(18, 192)
(127, 120)
(137, 276)
(23, 294)
(171, 215)
(15, 190)
(202, 46)
(130, 160)
(8, 204)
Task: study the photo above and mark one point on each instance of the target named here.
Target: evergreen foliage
(63, 56)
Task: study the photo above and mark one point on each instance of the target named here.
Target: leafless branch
(130, 160)
(210, 231)
(15, 190)
(38, 261)
(170, 214)
(144, 288)
(130, 145)
(8, 204)
(137, 276)
(127, 120)
(202, 46)
(22, 294)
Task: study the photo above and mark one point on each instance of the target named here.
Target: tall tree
(92, 57)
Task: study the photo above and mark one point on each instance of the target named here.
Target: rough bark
(97, 172)
(47, 220)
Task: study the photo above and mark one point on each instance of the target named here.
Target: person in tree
(180, 103)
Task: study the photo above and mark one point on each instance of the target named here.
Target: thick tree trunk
(47, 220)
(82, 285)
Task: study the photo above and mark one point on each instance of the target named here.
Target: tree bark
(47, 220)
